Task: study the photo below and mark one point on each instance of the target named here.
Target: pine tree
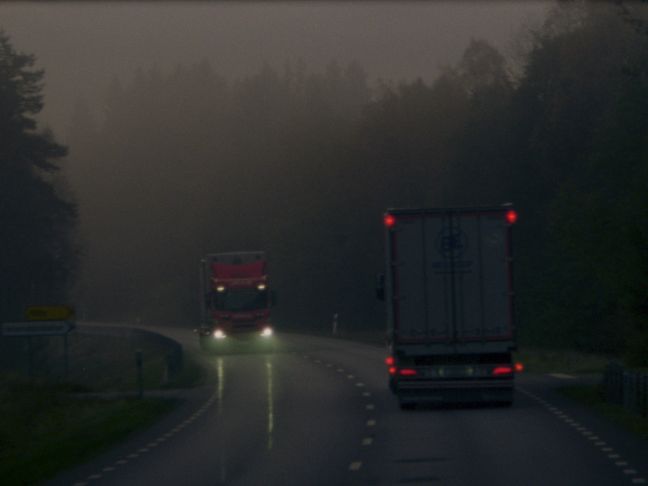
(36, 249)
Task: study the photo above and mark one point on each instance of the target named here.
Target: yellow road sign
(49, 313)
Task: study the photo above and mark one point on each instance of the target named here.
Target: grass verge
(99, 363)
(44, 430)
(537, 360)
(592, 396)
(191, 375)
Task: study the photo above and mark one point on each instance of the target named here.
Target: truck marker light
(389, 361)
(392, 370)
(519, 367)
(407, 372)
(219, 334)
(261, 287)
(389, 220)
(511, 216)
(503, 370)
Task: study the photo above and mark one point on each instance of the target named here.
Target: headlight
(219, 334)
(267, 332)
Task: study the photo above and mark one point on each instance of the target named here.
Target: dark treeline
(37, 248)
(303, 164)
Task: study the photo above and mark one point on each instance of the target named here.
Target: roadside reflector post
(169, 369)
(138, 363)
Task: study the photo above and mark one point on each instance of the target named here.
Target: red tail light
(407, 372)
(503, 370)
(511, 216)
(519, 367)
(389, 361)
(392, 370)
(389, 220)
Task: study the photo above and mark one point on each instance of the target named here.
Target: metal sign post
(66, 360)
(140, 379)
(43, 321)
(30, 358)
(40, 328)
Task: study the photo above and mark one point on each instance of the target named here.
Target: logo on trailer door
(451, 243)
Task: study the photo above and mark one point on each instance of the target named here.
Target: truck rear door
(451, 276)
(478, 254)
(422, 303)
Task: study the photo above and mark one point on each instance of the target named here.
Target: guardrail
(626, 388)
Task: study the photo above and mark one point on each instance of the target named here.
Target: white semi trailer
(448, 288)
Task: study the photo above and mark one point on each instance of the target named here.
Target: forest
(303, 163)
(38, 250)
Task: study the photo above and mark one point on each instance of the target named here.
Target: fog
(291, 127)
(136, 138)
(83, 46)
(127, 189)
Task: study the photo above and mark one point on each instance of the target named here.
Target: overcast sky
(83, 46)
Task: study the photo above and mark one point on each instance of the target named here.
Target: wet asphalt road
(316, 411)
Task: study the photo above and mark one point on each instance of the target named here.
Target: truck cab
(236, 298)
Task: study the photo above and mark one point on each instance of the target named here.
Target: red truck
(235, 299)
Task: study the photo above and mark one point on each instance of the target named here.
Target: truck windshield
(240, 300)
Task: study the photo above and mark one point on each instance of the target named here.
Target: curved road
(317, 412)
